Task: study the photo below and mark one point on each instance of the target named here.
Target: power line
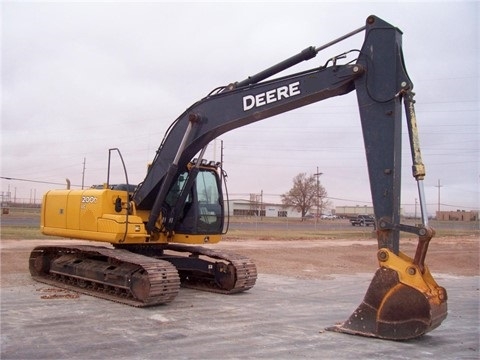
(459, 207)
(35, 181)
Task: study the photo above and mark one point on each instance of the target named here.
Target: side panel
(73, 210)
(54, 208)
(90, 215)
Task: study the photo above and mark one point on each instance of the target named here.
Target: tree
(305, 194)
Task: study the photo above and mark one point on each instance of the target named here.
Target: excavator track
(203, 268)
(229, 273)
(111, 274)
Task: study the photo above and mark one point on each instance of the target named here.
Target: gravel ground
(303, 287)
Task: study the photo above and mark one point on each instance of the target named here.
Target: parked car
(362, 220)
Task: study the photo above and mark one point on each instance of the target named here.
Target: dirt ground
(306, 259)
(321, 258)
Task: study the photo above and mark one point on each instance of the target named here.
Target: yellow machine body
(103, 215)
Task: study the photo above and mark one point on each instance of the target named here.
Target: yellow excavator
(155, 229)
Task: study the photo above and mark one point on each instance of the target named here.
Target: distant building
(459, 215)
(351, 211)
(240, 207)
(5, 201)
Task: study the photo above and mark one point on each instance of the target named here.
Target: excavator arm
(403, 300)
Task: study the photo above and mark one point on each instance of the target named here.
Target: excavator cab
(202, 210)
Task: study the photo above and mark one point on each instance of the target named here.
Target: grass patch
(457, 232)
(235, 234)
(25, 224)
(21, 223)
(20, 232)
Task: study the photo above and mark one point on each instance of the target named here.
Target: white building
(356, 210)
(240, 207)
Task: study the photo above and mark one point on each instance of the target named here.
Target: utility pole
(261, 205)
(317, 174)
(221, 154)
(438, 186)
(215, 150)
(83, 172)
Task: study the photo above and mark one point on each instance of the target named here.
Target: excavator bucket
(402, 302)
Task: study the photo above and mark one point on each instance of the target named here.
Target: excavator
(153, 232)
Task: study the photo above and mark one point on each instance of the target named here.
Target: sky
(79, 78)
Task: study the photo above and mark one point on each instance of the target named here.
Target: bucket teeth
(395, 311)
